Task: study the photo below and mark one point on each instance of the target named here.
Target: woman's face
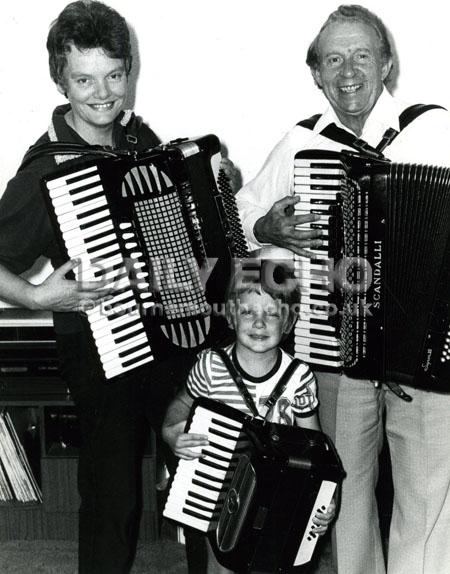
(96, 87)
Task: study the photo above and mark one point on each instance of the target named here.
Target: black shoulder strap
(413, 112)
(64, 148)
(274, 395)
(405, 118)
(132, 131)
(310, 123)
(333, 132)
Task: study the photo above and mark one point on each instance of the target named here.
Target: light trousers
(418, 433)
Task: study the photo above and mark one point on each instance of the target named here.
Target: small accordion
(256, 488)
(161, 228)
(376, 298)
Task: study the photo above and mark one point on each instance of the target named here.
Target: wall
(232, 68)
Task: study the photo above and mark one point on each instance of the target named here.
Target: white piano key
(306, 357)
(120, 369)
(104, 325)
(62, 182)
(84, 241)
(80, 195)
(113, 360)
(305, 349)
(308, 171)
(174, 514)
(69, 212)
(106, 344)
(108, 334)
(75, 223)
(77, 234)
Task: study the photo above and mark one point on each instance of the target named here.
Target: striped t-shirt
(210, 378)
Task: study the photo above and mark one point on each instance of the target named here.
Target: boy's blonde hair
(279, 283)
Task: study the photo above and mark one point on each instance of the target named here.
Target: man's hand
(232, 173)
(57, 293)
(182, 443)
(279, 227)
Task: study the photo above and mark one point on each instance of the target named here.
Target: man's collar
(383, 116)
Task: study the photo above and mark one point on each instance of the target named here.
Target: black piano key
(220, 447)
(99, 209)
(206, 486)
(201, 497)
(223, 424)
(133, 349)
(103, 219)
(80, 201)
(190, 512)
(202, 474)
(198, 506)
(97, 236)
(115, 267)
(123, 338)
(120, 328)
(212, 430)
(216, 456)
(137, 359)
(102, 246)
(121, 312)
(211, 464)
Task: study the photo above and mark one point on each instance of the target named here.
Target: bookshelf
(39, 416)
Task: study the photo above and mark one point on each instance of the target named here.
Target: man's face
(96, 87)
(351, 71)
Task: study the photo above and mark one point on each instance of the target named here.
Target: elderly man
(350, 61)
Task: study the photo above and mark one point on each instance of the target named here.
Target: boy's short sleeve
(305, 401)
(198, 381)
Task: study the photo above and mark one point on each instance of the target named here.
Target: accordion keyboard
(199, 484)
(87, 228)
(318, 184)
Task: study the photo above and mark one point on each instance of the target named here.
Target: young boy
(261, 316)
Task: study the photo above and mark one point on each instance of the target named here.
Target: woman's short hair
(352, 13)
(87, 24)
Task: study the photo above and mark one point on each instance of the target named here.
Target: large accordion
(160, 227)
(256, 488)
(376, 296)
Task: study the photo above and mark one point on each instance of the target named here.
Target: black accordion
(256, 488)
(161, 227)
(376, 297)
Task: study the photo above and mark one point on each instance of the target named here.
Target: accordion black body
(385, 273)
(256, 489)
(162, 228)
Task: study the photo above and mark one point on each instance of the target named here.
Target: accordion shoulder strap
(239, 381)
(333, 132)
(405, 118)
(63, 148)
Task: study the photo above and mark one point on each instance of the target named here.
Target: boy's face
(259, 322)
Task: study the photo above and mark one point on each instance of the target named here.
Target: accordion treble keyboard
(86, 224)
(318, 182)
(199, 484)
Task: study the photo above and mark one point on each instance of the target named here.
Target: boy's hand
(183, 443)
(323, 518)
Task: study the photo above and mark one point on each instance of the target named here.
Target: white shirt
(426, 141)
